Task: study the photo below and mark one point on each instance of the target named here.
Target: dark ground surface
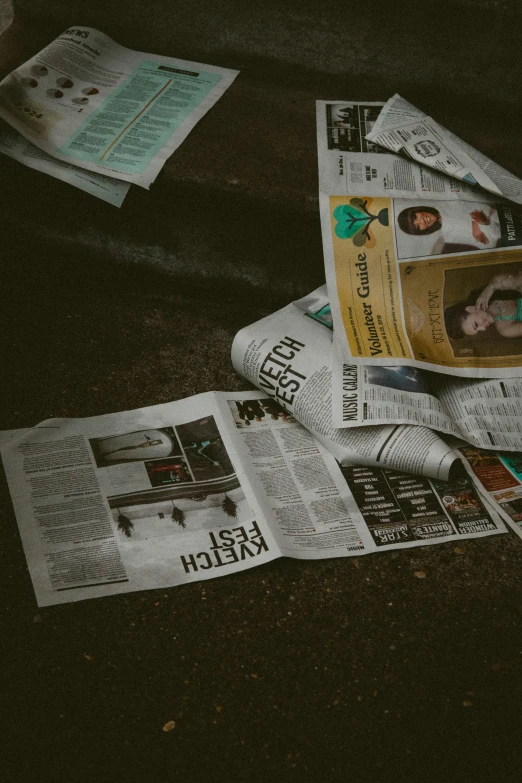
(305, 671)
(339, 670)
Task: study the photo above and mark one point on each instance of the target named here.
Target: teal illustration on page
(139, 117)
(323, 315)
(513, 462)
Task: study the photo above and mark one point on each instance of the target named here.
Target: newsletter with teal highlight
(89, 102)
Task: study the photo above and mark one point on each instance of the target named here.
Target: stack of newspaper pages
(386, 413)
(99, 116)
(421, 236)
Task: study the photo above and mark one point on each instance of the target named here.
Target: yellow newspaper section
(367, 280)
(432, 289)
(460, 310)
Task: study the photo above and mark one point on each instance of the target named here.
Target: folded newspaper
(90, 103)
(423, 269)
(485, 413)
(288, 355)
(257, 353)
(402, 128)
(210, 485)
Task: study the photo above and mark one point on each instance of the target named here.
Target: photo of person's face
(424, 220)
(476, 321)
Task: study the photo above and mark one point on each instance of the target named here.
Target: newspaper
(499, 477)
(288, 355)
(88, 101)
(352, 164)
(486, 413)
(15, 146)
(420, 281)
(405, 129)
(207, 486)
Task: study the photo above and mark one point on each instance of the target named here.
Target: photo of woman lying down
(496, 308)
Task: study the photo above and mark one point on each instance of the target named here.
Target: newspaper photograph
(15, 146)
(207, 486)
(90, 102)
(404, 129)
(288, 356)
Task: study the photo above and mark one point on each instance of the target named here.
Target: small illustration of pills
(39, 70)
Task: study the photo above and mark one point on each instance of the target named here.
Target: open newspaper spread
(207, 486)
(15, 146)
(90, 102)
(402, 128)
(288, 355)
(422, 269)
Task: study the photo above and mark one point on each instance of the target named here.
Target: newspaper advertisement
(207, 486)
(288, 355)
(307, 495)
(405, 129)
(433, 284)
(486, 413)
(15, 146)
(90, 102)
(499, 476)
